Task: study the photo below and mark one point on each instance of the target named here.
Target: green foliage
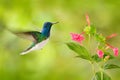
(87, 29)
(93, 30)
(96, 58)
(90, 30)
(80, 50)
(110, 66)
(111, 56)
(100, 38)
(99, 74)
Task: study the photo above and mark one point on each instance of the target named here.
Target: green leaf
(96, 58)
(93, 30)
(80, 50)
(110, 66)
(98, 76)
(100, 38)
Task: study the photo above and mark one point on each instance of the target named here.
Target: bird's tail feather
(25, 52)
(28, 49)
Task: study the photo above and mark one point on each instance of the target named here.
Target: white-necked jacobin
(39, 39)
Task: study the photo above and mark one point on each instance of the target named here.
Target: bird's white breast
(36, 47)
(40, 45)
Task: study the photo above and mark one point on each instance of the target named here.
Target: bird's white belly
(36, 47)
(40, 45)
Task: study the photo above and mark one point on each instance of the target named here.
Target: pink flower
(115, 50)
(77, 37)
(100, 53)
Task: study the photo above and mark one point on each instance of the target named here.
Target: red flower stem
(111, 36)
(109, 46)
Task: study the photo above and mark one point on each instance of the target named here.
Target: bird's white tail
(36, 47)
(25, 52)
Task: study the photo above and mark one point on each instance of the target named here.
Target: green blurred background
(55, 61)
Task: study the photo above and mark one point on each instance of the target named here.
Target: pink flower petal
(115, 50)
(111, 36)
(100, 53)
(77, 37)
(87, 19)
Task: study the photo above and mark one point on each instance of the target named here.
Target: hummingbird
(39, 39)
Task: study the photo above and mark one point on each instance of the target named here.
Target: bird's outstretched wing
(30, 35)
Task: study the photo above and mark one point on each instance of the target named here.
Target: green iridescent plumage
(34, 36)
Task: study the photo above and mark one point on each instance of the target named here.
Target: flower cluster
(90, 30)
(102, 50)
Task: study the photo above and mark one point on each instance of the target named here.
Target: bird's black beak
(55, 22)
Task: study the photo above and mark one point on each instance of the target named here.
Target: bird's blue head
(46, 28)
